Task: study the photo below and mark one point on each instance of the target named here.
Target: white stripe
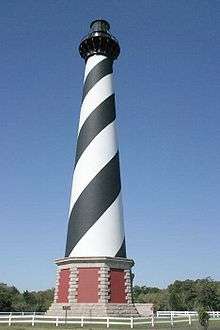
(98, 153)
(105, 237)
(96, 95)
(92, 62)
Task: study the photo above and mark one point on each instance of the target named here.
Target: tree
(175, 301)
(189, 295)
(11, 300)
(44, 299)
(203, 318)
(29, 298)
(7, 296)
(207, 294)
(143, 294)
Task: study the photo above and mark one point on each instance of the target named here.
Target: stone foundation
(94, 286)
(97, 310)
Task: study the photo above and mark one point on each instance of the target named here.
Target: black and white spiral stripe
(95, 218)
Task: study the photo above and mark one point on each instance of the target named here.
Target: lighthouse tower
(95, 276)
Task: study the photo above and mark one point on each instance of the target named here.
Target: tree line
(12, 300)
(180, 295)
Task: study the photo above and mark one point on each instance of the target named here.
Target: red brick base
(63, 286)
(88, 280)
(117, 286)
(94, 280)
(94, 286)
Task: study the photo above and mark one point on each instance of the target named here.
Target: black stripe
(95, 199)
(99, 71)
(101, 117)
(122, 251)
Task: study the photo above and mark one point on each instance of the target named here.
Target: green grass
(213, 325)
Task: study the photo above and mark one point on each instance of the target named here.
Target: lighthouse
(95, 217)
(94, 278)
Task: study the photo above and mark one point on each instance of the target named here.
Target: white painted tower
(95, 218)
(95, 276)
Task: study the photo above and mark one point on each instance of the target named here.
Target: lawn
(213, 325)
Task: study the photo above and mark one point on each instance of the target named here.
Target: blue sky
(168, 94)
